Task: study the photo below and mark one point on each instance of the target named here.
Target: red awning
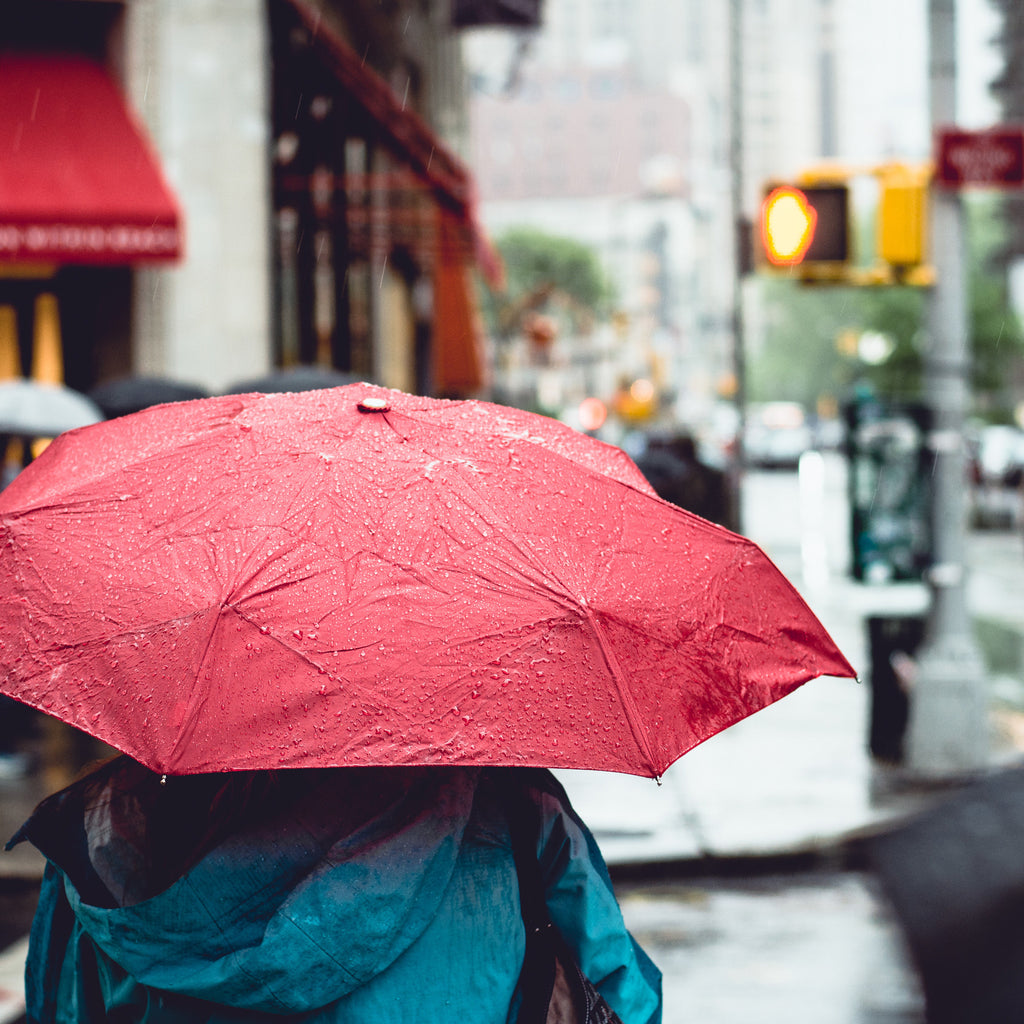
(79, 182)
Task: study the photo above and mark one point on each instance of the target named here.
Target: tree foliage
(798, 358)
(997, 339)
(543, 269)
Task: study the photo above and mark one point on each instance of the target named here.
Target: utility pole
(828, 133)
(741, 242)
(948, 734)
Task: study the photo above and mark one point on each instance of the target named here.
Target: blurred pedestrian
(674, 469)
(321, 895)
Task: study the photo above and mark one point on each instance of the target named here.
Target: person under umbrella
(326, 895)
(343, 635)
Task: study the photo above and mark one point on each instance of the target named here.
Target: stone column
(198, 73)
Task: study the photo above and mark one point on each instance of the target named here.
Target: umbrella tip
(372, 404)
(163, 780)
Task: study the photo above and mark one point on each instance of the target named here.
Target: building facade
(310, 152)
(602, 132)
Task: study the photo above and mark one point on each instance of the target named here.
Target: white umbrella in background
(30, 409)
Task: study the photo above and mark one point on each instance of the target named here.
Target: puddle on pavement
(820, 948)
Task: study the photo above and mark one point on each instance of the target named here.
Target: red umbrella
(356, 576)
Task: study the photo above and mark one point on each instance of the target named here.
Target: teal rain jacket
(344, 895)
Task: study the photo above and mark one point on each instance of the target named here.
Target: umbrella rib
(543, 571)
(189, 722)
(628, 704)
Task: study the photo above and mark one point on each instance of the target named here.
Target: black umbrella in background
(126, 395)
(955, 878)
(673, 469)
(296, 378)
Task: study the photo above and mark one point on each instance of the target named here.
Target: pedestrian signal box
(805, 224)
(787, 226)
(805, 227)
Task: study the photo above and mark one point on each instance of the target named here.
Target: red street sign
(992, 157)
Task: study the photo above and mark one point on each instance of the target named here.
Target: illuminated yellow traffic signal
(787, 225)
(805, 225)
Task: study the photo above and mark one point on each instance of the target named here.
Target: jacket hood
(318, 886)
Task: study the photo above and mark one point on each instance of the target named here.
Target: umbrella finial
(163, 780)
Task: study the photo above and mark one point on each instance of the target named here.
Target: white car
(776, 435)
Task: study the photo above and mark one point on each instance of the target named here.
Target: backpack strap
(553, 987)
(537, 977)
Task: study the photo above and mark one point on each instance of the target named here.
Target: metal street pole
(741, 239)
(948, 734)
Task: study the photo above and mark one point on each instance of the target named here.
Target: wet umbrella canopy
(357, 576)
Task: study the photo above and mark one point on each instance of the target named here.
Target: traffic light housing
(805, 226)
(903, 215)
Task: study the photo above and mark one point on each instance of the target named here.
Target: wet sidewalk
(793, 779)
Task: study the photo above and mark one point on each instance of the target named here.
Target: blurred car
(776, 435)
(996, 464)
(997, 456)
